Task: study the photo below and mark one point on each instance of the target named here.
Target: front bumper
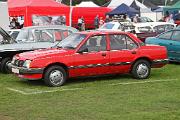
(22, 70)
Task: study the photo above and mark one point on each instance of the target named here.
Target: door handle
(170, 44)
(133, 52)
(103, 54)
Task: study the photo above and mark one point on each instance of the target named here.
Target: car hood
(43, 53)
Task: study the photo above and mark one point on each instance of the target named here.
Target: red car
(90, 54)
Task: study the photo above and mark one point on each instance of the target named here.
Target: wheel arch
(142, 58)
(57, 64)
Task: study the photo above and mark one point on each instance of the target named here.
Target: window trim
(165, 33)
(91, 37)
(126, 42)
(173, 34)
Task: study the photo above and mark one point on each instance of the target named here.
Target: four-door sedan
(90, 54)
(171, 40)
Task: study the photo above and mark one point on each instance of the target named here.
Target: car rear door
(94, 61)
(123, 51)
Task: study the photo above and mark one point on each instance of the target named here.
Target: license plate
(14, 70)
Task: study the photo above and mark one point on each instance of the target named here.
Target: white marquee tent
(116, 3)
(87, 4)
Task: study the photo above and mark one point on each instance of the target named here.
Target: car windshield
(22, 36)
(107, 26)
(72, 41)
(145, 29)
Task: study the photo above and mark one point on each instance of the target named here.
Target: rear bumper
(27, 73)
(160, 62)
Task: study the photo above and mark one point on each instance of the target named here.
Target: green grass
(98, 100)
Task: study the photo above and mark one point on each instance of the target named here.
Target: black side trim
(99, 65)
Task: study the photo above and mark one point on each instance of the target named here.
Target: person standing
(96, 21)
(83, 24)
(171, 20)
(79, 23)
(101, 21)
(107, 19)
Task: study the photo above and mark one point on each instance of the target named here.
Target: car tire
(55, 76)
(4, 68)
(141, 69)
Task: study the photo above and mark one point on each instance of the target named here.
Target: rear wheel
(55, 76)
(4, 65)
(141, 69)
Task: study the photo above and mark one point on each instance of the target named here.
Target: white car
(150, 27)
(118, 26)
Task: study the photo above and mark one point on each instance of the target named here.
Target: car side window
(61, 34)
(47, 36)
(36, 35)
(96, 43)
(176, 36)
(166, 35)
(120, 42)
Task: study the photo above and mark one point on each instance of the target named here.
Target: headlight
(27, 64)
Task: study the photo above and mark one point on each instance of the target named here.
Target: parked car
(144, 20)
(13, 33)
(151, 29)
(32, 38)
(169, 39)
(88, 54)
(118, 26)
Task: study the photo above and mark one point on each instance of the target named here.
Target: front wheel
(141, 69)
(55, 76)
(4, 65)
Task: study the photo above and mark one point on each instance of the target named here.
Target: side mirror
(83, 50)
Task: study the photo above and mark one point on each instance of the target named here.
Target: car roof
(51, 27)
(153, 24)
(92, 32)
(12, 30)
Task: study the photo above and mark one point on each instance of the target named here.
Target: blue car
(169, 39)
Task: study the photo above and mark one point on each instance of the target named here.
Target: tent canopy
(116, 3)
(27, 8)
(123, 9)
(87, 4)
(135, 6)
(176, 6)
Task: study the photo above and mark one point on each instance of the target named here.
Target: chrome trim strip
(99, 65)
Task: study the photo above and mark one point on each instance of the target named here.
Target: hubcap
(6, 66)
(56, 77)
(142, 70)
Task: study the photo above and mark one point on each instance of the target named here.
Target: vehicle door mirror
(83, 50)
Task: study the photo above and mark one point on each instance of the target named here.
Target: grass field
(97, 98)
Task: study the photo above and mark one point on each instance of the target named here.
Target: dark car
(31, 38)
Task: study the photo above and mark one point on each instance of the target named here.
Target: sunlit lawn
(96, 98)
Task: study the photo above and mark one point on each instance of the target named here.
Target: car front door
(165, 40)
(174, 46)
(92, 58)
(123, 51)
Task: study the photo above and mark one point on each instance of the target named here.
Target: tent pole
(70, 14)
